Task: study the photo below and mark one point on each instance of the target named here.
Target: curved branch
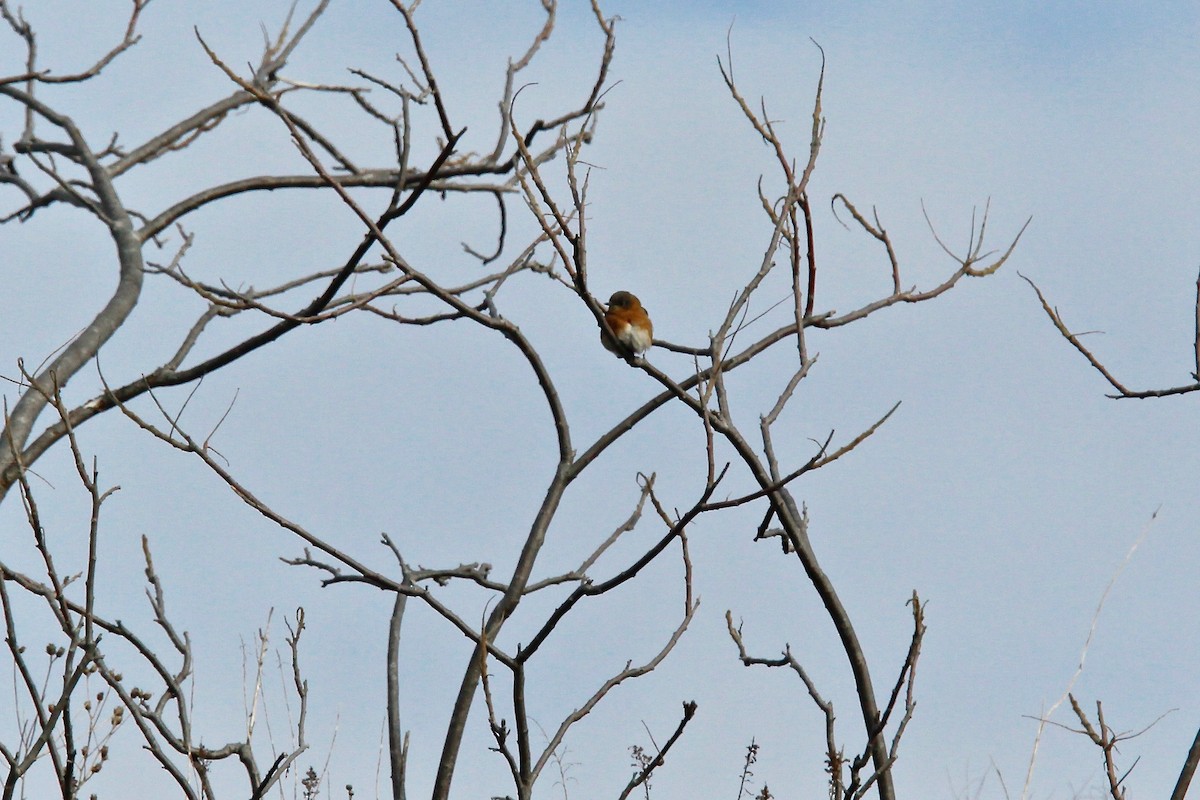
(371, 178)
(1122, 390)
(172, 377)
(129, 284)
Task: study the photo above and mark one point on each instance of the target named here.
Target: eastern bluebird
(632, 327)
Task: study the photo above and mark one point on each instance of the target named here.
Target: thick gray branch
(129, 285)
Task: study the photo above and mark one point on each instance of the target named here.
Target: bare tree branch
(1122, 390)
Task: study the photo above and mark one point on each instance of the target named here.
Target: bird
(630, 325)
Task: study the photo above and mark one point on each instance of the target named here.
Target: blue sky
(1007, 490)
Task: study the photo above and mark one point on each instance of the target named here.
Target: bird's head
(623, 300)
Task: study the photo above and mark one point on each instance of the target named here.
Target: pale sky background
(1007, 490)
